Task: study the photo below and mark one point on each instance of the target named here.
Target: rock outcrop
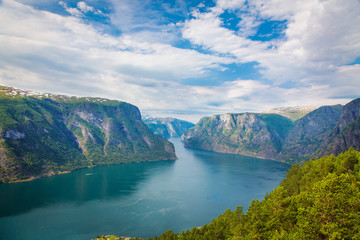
(308, 134)
(346, 133)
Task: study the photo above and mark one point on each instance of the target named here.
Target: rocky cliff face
(309, 133)
(346, 133)
(167, 127)
(326, 130)
(248, 134)
(42, 136)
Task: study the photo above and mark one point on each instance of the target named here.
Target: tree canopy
(318, 200)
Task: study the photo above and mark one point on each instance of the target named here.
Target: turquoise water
(137, 199)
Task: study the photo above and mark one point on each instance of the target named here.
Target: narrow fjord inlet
(179, 119)
(136, 199)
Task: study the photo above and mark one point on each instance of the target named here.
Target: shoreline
(65, 172)
(34, 178)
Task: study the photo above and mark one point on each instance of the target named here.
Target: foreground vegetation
(318, 200)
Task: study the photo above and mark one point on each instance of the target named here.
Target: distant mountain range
(294, 113)
(167, 127)
(326, 130)
(45, 134)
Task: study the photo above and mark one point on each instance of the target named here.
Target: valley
(43, 135)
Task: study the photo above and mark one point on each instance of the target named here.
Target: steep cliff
(346, 133)
(309, 134)
(167, 127)
(259, 135)
(326, 130)
(45, 135)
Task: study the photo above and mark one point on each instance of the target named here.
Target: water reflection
(101, 183)
(140, 199)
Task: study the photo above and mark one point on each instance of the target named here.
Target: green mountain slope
(167, 127)
(326, 130)
(259, 135)
(47, 135)
(319, 200)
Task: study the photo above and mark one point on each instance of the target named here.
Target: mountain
(167, 127)
(258, 135)
(346, 133)
(308, 134)
(44, 134)
(294, 113)
(326, 130)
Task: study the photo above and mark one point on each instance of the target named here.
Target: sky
(185, 59)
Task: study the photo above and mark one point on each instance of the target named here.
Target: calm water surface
(137, 199)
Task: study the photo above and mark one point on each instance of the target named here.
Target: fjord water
(136, 199)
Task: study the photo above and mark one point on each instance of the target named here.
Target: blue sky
(185, 59)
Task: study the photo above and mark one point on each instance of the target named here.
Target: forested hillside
(318, 200)
(42, 135)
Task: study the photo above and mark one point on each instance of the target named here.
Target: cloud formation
(158, 63)
(321, 36)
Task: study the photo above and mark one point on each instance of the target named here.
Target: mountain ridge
(326, 130)
(251, 134)
(167, 127)
(294, 113)
(42, 135)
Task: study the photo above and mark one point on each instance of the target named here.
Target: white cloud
(43, 29)
(53, 53)
(130, 15)
(84, 7)
(248, 25)
(44, 51)
(73, 11)
(206, 30)
(254, 96)
(140, 18)
(229, 4)
(321, 36)
(81, 9)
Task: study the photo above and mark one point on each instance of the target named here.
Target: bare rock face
(309, 134)
(350, 113)
(13, 134)
(346, 133)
